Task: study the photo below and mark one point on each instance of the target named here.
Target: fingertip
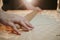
(18, 33)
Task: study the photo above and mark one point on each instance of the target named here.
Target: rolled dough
(46, 27)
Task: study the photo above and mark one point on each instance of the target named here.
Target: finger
(25, 26)
(14, 28)
(29, 25)
(17, 26)
(21, 26)
(24, 29)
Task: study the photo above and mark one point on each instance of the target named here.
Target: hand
(12, 19)
(37, 9)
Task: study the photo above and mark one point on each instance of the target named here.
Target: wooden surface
(46, 27)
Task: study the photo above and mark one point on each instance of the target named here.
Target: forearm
(2, 13)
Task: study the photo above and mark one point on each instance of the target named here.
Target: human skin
(10, 19)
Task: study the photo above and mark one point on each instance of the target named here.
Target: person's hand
(12, 19)
(38, 9)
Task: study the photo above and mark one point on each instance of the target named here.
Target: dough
(46, 27)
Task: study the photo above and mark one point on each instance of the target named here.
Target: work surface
(46, 27)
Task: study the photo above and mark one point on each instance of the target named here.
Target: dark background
(59, 4)
(17, 5)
